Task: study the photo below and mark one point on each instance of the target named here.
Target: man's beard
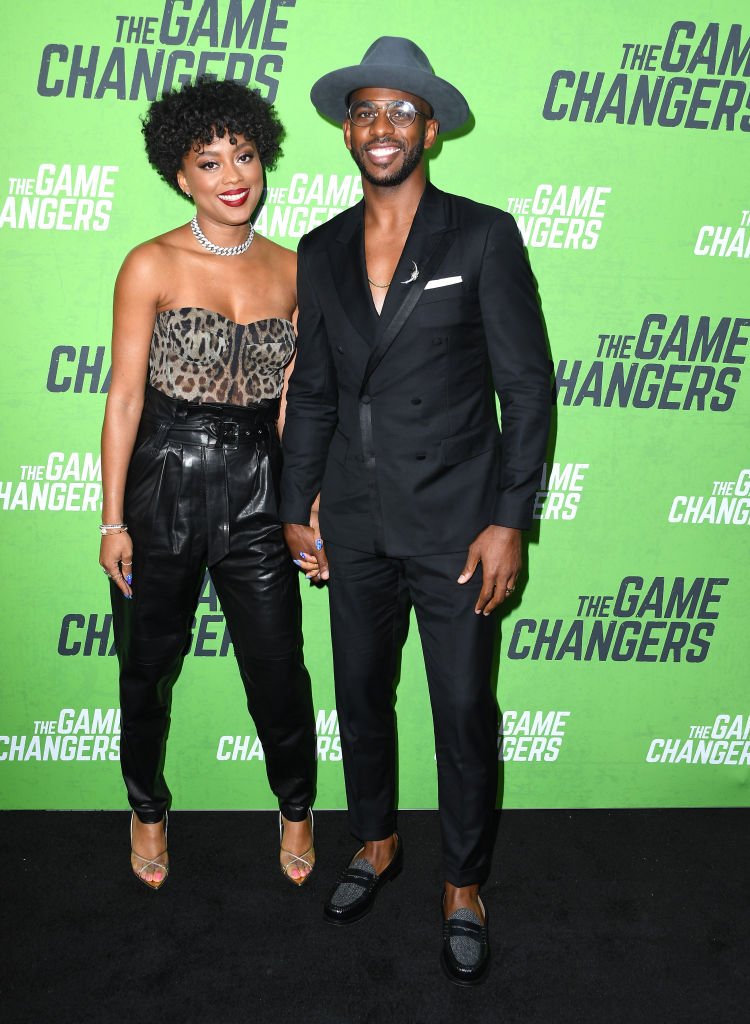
(412, 159)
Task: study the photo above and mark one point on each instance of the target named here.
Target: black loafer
(465, 955)
(354, 894)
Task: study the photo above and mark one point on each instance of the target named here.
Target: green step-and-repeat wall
(617, 135)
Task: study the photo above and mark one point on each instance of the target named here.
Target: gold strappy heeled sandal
(142, 864)
(288, 859)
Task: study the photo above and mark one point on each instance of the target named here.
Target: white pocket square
(443, 282)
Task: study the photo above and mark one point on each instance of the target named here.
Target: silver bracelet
(104, 528)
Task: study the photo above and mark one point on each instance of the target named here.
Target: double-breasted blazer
(393, 417)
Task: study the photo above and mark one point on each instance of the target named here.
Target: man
(415, 308)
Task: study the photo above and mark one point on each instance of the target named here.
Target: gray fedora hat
(391, 63)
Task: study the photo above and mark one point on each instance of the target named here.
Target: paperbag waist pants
(202, 493)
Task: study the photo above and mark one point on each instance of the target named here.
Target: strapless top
(202, 356)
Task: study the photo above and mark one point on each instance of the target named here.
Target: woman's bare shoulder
(273, 250)
(149, 254)
(152, 260)
(283, 261)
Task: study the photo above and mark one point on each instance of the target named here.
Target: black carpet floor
(595, 916)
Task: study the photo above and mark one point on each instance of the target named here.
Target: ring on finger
(509, 590)
(106, 573)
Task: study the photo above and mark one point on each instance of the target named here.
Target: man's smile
(382, 152)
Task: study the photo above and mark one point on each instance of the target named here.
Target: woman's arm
(135, 303)
(282, 403)
(288, 273)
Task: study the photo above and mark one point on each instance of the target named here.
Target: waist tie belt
(209, 425)
(216, 429)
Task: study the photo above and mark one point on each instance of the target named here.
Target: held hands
(498, 548)
(306, 548)
(116, 559)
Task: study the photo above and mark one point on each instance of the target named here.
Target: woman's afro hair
(190, 117)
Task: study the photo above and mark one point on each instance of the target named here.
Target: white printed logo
(65, 483)
(308, 201)
(532, 735)
(561, 491)
(61, 198)
(248, 748)
(84, 734)
(725, 741)
(725, 239)
(728, 503)
(561, 216)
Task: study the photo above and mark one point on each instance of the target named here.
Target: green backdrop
(617, 135)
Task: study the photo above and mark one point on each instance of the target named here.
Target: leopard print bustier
(202, 356)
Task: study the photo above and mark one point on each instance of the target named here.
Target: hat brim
(330, 92)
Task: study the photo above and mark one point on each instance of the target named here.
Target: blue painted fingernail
(302, 555)
(297, 562)
(128, 597)
(318, 543)
(129, 579)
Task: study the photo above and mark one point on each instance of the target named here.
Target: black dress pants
(202, 491)
(371, 597)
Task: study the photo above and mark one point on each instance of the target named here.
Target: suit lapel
(346, 257)
(426, 246)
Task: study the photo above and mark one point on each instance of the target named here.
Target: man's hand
(307, 550)
(498, 548)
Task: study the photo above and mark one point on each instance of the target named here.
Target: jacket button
(365, 399)
(416, 401)
(339, 348)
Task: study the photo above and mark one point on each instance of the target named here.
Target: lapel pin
(414, 274)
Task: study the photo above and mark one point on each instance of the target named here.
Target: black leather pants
(202, 492)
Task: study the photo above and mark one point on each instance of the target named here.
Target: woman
(202, 342)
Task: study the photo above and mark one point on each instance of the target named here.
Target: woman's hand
(116, 558)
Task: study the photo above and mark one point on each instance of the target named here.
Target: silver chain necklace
(221, 250)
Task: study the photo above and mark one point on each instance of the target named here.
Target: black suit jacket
(393, 417)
